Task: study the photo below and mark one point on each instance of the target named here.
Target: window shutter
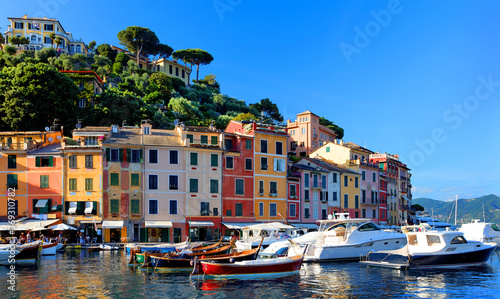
(51, 161)
(140, 154)
(94, 208)
(129, 154)
(275, 164)
(37, 163)
(120, 154)
(108, 154)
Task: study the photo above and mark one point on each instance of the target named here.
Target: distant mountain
(468, 209)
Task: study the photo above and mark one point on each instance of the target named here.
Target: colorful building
(332, 194)
(83, 179)
(172, 68)
(38, 31)
(45, 173)
(383, 198)
(294, 199)
(270, 168)
(307, 135)
(203, 164)
(164, 185)
(238, 181)
(90, 85)
(399, 195)
(14, 151)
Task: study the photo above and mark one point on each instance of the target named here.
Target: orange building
(45, 166)
(14, 149)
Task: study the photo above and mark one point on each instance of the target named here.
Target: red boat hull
(267, 266)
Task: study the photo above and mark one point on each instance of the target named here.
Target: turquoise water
(79, 274)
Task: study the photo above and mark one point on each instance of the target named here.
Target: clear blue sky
(416, 78)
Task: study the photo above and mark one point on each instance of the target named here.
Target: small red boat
(259, 267)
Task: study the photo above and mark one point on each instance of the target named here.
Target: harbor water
(82, 274)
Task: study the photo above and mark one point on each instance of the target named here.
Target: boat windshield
(458, 240)
(336, 226)
(368, 227)
(495, 228)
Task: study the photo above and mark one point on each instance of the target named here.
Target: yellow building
(14, 148)
(173, 69)
(122, 194)
(203, 177)
(82, 178)
(38, 31)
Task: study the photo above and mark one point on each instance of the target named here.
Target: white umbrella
(39, 229)
(62, 226)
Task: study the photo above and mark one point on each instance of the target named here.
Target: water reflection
(107, 275)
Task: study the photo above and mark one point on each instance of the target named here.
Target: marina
(105, 274)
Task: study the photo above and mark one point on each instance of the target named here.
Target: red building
(383, 198)
(238, 181)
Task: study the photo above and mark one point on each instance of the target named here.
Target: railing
(197, 142)
(14, 146)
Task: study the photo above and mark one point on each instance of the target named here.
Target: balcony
(197, 142)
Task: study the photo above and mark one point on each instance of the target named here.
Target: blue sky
(416, 78)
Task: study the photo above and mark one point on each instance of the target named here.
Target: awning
(157, 224)
(112, 224)
(200, 223)
(32, 224)
(89, 221)
(405, 198)
(41, 203)
(88, 207)
(72, 207)
(306, 225)
(237, 225)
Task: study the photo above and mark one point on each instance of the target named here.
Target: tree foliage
(33, 95)
(268, 109)
(194, 57)
(329, 124)
(19, 40)
(139, 40)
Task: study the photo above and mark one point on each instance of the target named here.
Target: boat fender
(203, 257)
(231, 260)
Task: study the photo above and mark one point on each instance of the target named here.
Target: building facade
(38, 32)
(307, 135)
(238, 180)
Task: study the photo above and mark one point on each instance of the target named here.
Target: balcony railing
(197, 142)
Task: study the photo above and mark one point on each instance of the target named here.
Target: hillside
(468, 209)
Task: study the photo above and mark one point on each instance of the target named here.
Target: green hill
(468, 209)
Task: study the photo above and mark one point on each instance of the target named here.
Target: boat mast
(484, 216)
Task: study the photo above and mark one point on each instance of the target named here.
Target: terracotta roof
(357, 147)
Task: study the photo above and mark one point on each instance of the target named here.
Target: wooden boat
(49, 248)
(168, 263)
(206, 248)
(255, 268)
(30, 253)
(217, 251)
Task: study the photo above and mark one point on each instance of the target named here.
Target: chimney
(115, 129)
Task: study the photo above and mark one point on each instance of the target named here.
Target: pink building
(307, 135)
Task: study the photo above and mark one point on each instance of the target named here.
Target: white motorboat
(281, 248)
(349, 239)
(481, 231)
(272, 232)
(432, 249)
(109, 247)
(7, 254)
